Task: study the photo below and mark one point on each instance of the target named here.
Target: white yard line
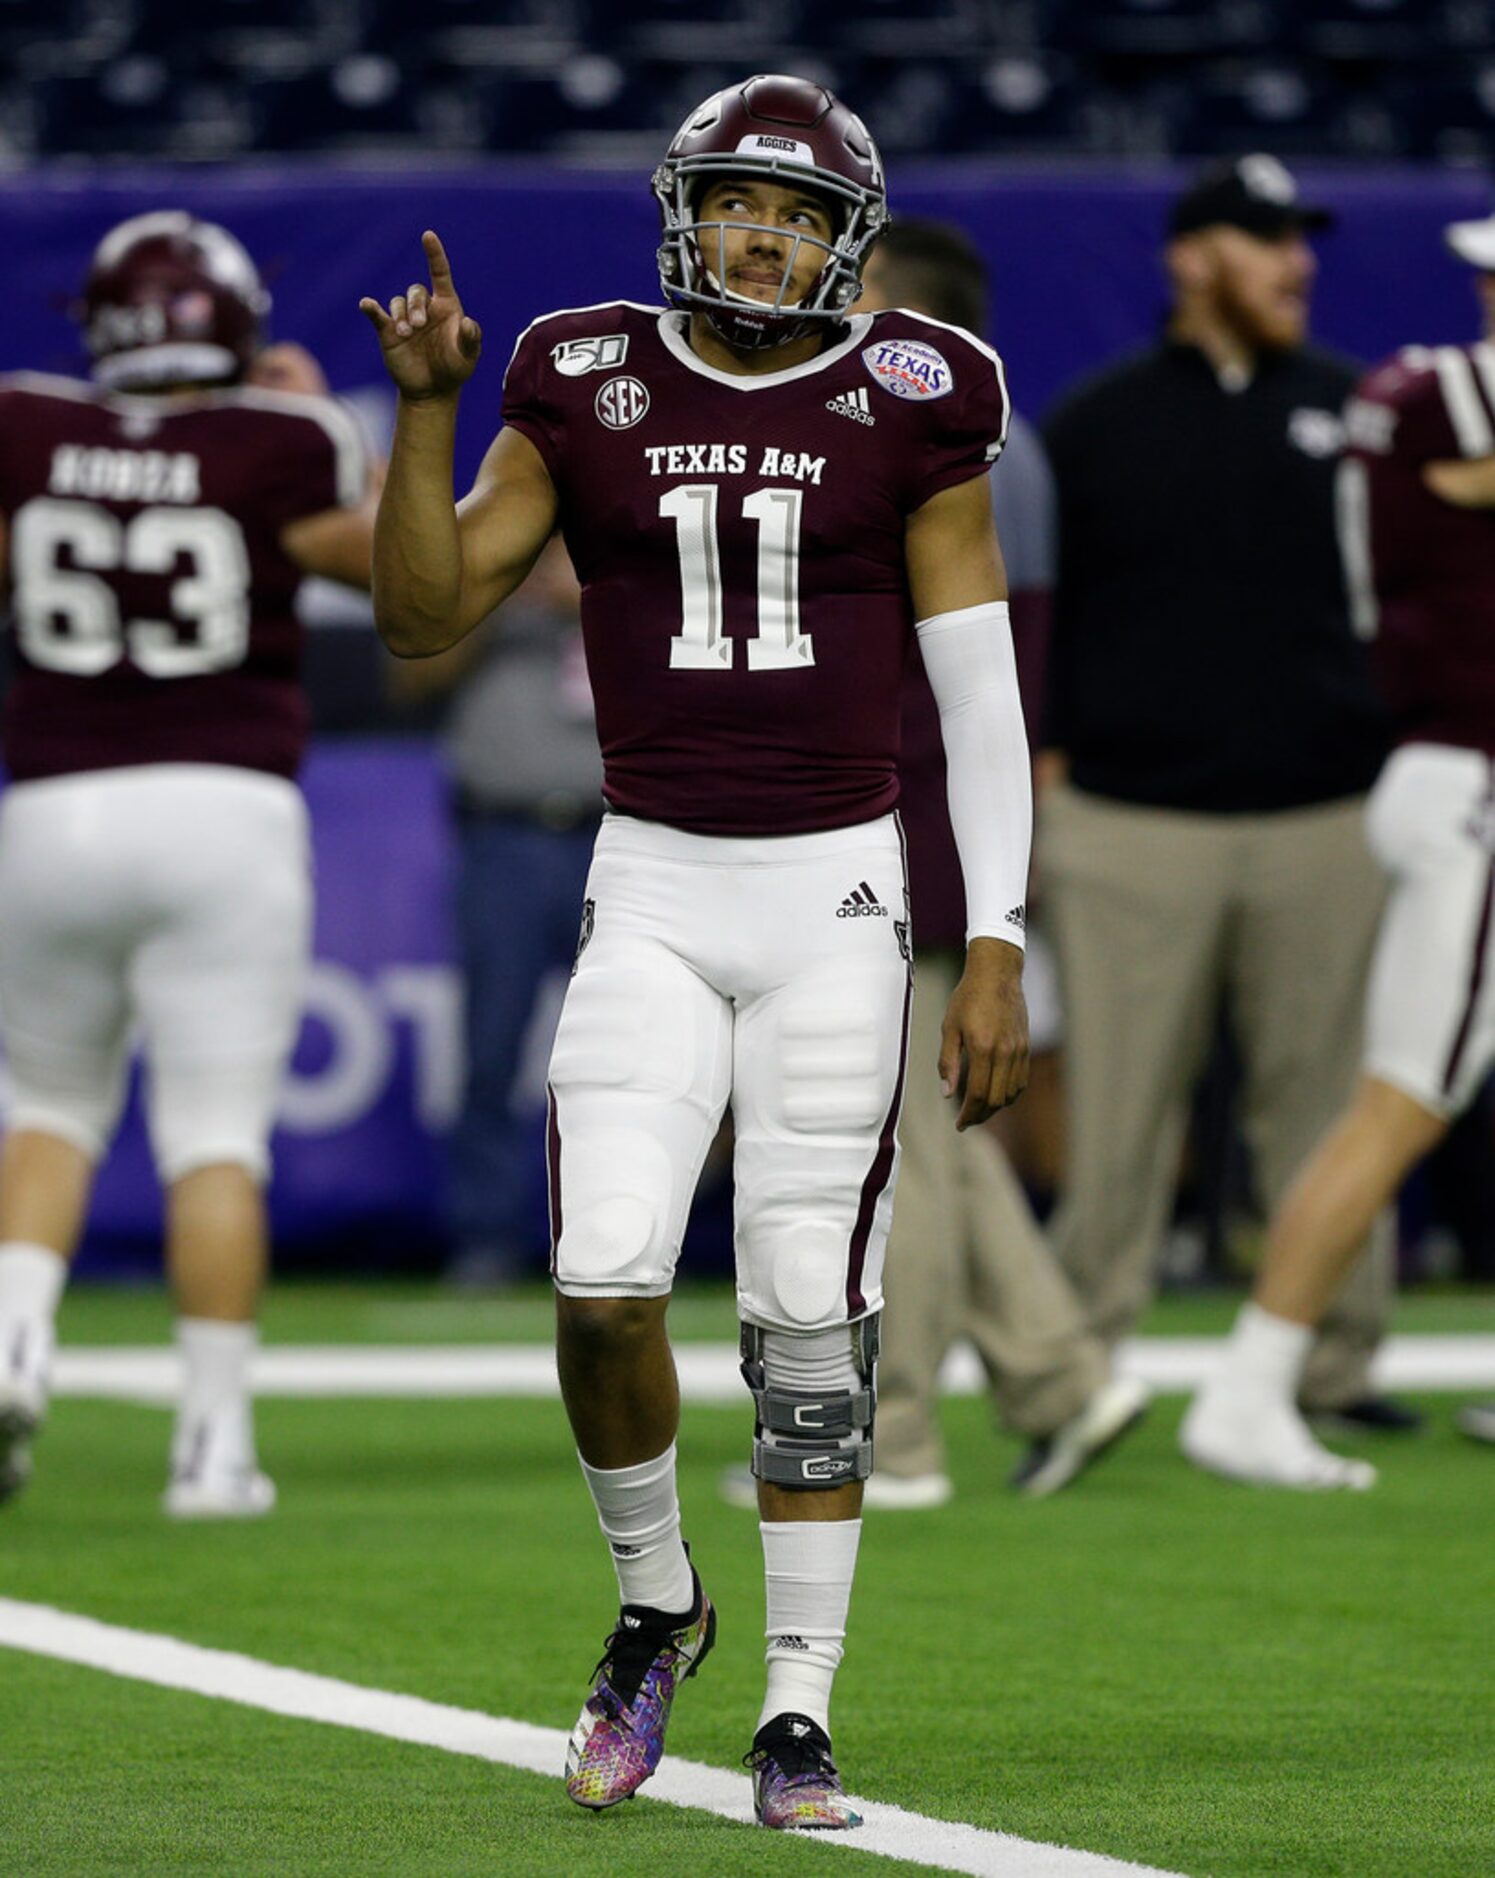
(168, 1662)
(708, 1371)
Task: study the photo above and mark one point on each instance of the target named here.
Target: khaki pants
(1158, 915)
(966, 1259)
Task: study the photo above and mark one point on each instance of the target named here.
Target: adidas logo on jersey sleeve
(852, 404)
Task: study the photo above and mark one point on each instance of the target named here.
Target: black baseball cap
(1256, 193)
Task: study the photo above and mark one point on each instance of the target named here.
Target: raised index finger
(441, 268)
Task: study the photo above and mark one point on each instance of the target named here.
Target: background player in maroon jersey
(1416, 498)
(761, 492)
(154, 871)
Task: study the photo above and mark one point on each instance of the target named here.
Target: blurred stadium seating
(589, 81)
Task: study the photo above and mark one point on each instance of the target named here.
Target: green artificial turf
(1154, 1664)
(425, 1312)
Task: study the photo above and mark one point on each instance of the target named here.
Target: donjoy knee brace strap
(809, 1437)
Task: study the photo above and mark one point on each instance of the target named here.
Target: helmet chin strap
(746, 300)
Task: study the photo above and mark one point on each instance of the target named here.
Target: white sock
(31, 1283)
(639, 1514)
(1266, 1353)
(215, 1416)
(808, 1566)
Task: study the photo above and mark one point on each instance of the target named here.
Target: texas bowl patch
(909, 369)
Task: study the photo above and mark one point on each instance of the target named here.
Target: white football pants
(1430, 1017)
(771, 973)
(175, 898)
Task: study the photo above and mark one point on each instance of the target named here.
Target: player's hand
(430, 345)
(287, 367)
(1467, 484)
(984, 1043)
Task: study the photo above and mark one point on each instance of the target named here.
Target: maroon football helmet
(171, 300)
(792, 132)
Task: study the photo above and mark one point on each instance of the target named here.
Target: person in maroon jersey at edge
(762, 493)
(154, 865)
(1416, 494)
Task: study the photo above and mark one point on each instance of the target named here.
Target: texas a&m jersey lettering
(731, 459)
(740, 545)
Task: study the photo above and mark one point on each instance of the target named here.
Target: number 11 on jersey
(701, 644)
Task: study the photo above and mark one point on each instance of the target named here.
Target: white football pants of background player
(771, 973)
(173, 900)
(1430, 1043)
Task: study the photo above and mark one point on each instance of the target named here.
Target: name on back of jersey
(732, 459)
(100, 474)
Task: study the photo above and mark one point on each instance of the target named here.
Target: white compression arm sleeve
(972, 671)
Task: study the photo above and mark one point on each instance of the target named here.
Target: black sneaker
(1370, 1414)
(795, 1784)
(1051, 1462)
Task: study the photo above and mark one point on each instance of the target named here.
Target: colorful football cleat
(795, 1784)
(618, 1739)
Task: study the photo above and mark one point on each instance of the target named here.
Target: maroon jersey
(150, 595)
(1424, 570)
(740, 544)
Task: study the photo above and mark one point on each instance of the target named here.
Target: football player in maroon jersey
(764, 495)
(1416, 496)
(154, 527)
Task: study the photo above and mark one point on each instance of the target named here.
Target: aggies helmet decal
(171, 300)
(787, 130)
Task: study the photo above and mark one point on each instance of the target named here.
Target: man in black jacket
(1213, 731)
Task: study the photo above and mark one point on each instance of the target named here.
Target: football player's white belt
(813, 1442)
